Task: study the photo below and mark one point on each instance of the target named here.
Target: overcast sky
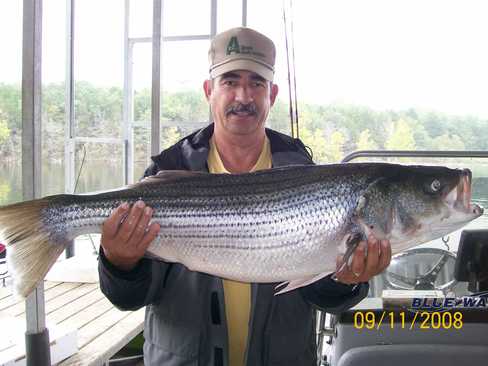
(381, 53)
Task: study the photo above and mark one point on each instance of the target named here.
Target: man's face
(240, 101)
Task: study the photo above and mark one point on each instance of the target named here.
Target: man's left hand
(365, 264)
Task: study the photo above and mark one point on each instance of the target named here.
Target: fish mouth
(459, 198)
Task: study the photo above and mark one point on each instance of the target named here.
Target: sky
(385, 54)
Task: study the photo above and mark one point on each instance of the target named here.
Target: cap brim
(243, 64)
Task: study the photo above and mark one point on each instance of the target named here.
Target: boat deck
(102, 330)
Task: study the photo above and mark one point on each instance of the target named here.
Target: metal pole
(415, 154)
(213, 32)
(37, 335)
(31, 99)
(244, 13)
(213, 18)
(69, 131)
(128, 110)
(69, 128)
(156, 78)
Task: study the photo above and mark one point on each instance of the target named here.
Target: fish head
(415, 204)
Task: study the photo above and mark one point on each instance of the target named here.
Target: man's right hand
(126, 234)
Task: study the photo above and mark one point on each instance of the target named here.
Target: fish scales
(252, 224)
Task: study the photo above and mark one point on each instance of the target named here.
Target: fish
(286, 225)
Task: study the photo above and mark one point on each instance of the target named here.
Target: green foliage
(335, 149)
(4, 130)
(331, 131)
(98, 111)
(365, 142)
(4, 192)
(11, 105)
(316, 141)
(6, 145)
(447, 142)
(142, 105)
(170, 136)
(325, 150)
(279, 117)
(402, 137)
(188, 106)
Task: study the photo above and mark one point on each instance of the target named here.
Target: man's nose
(244, 95)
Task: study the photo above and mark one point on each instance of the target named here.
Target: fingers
(150, 235)
(351, 274)
(372, 259)
(127, 233)
(130, 224)
(139, 228)
(365, 264)
(357, 265)
(111, 225)
(385, 255)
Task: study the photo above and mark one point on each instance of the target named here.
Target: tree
(447, 142)
(330, 130)
(142, 105)
(187, 106)
(6, 143)
(4, 192)
(365, 142)
(10, 104)
(279, 117)
(315, 140)
(402, 137)
(335, 148)
(170, 136)
(4, 130)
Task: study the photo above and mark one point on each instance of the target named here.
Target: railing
(415, 154)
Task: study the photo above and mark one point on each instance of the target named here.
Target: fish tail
(30, 250)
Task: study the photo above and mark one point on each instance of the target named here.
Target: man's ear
(207, 88)
(274, 93)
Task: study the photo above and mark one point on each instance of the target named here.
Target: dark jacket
(185, 316)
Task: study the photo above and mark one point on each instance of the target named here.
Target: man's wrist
(120, 265)
(351, 286)
(115, 270)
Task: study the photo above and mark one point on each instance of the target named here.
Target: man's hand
(126, 235)
(364, 266)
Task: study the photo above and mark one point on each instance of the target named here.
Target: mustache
(239, 107)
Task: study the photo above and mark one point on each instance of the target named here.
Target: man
(197, 319)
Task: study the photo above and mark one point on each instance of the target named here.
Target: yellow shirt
(237, 295)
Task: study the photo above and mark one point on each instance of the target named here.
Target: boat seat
(415, 354)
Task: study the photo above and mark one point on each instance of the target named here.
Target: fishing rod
(291, 69)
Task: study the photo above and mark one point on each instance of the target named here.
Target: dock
(80, 310)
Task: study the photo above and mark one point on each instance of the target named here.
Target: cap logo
(234, 47)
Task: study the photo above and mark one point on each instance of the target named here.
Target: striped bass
(284, 225)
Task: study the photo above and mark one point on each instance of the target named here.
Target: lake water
(95, 176)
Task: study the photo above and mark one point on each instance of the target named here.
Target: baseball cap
(242, 49)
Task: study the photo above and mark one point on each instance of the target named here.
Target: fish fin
(167, 176)
(350, 242)
(292, 285)
(30, 252)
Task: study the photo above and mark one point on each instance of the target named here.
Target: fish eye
(435, 185)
